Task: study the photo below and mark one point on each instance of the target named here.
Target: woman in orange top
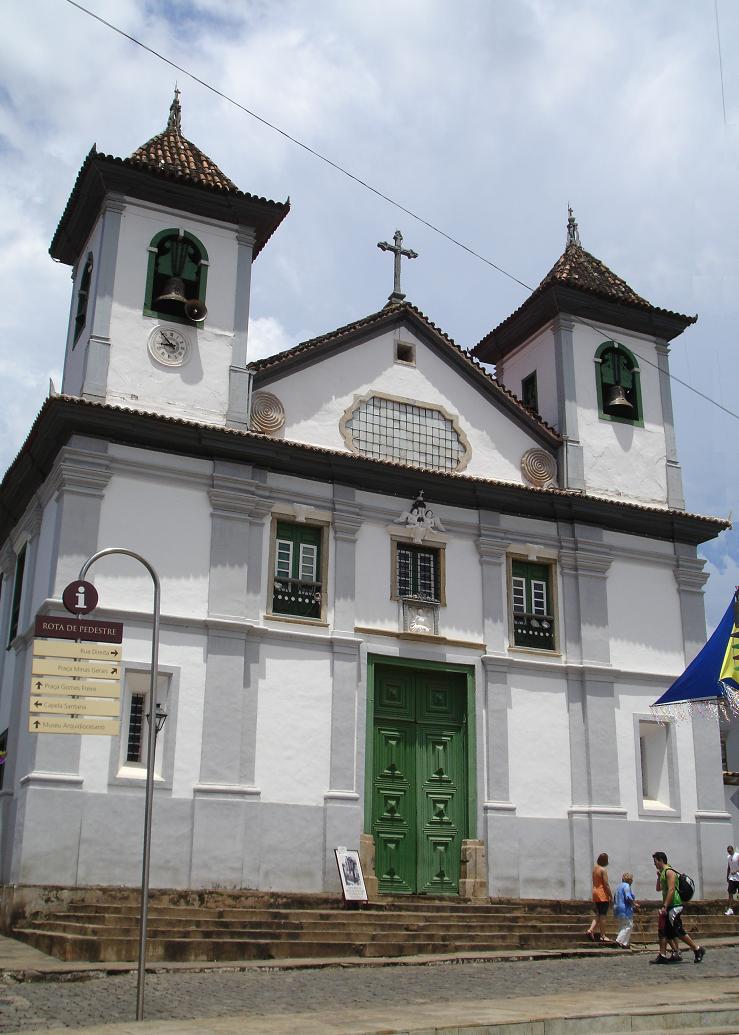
(601, 898)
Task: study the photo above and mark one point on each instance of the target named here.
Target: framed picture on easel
(350, 875)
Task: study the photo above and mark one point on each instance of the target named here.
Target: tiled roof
(578, 269)
(31, 464)
(171, 152)
(389, 313)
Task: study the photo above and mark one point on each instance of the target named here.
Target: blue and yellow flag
(715, 669)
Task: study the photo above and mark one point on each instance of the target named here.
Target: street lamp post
(151, 751)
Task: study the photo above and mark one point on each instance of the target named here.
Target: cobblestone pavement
(179, 996)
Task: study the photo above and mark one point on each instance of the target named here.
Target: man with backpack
(669, 882)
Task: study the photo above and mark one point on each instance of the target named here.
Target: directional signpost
(76, 682)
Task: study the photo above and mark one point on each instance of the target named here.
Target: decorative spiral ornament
(267, 413)
(539, 468)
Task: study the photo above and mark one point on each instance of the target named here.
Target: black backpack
(685, 886)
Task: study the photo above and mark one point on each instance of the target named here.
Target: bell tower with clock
(161, 246)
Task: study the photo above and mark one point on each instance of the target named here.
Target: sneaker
(699, 953)
(729, 912)
(675, 958)
(661, 959)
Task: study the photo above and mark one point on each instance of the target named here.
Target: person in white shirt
(732, 878)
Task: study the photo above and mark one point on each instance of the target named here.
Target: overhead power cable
(364, 183)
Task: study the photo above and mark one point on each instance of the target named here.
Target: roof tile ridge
(459, 475)
(309, 343)
(173, 174)
(477, 365)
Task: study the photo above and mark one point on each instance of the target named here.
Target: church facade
(407, 606)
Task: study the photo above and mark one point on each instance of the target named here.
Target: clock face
(168, 346)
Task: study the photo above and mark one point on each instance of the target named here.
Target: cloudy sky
(484, 117)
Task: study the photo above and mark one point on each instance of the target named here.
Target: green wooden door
(419, 780)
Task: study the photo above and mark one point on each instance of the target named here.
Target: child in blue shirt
(624, 904)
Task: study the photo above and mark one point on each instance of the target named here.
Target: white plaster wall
(316, 397)
(539, 746)
(42, 587)
(636, 700)
(536, 354)
(462, 617)
(76, 352)
(374, 607)
(644, 617)
(185, 650)
(294, 725)
(167, 520)
(199, 389)
(621, 461)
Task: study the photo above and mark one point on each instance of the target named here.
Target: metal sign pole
(152, 743)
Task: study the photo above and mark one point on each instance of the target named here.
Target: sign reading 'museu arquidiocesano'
(68, 724)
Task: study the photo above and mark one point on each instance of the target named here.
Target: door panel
(394, 806)
(419, 790)
(441, 808)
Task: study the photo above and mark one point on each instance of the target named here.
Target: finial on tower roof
(175, 112)
(573, 234)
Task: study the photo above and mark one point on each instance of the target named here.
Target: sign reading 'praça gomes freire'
(76, 670)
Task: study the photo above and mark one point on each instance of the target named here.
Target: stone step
(79, 947)
(124, 909)
(356, 923)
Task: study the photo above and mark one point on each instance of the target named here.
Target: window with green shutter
(297, 588)
(529, 392)
(531, 604)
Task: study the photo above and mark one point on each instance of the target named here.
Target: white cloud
(266, 337)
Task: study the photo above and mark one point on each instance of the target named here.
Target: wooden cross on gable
(398, 250)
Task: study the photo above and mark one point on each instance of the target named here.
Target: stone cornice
(238, 505)
(346, 523)
(493, 548)
(588, 560)
(689, 574)
(78, 471)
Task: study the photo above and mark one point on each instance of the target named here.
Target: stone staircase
(231, 926)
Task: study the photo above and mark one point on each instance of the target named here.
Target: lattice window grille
(135, 744)
(417, 435)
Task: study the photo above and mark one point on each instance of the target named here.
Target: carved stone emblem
(420, 617)
(420, 518)
(267, 413)
(539, 468)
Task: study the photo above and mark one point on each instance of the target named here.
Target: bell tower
(590, 356)
(161, 246)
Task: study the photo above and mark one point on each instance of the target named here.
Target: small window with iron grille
(3, 756)
(418, 573)
(532, 605)
(135, 743)
(134, 738)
